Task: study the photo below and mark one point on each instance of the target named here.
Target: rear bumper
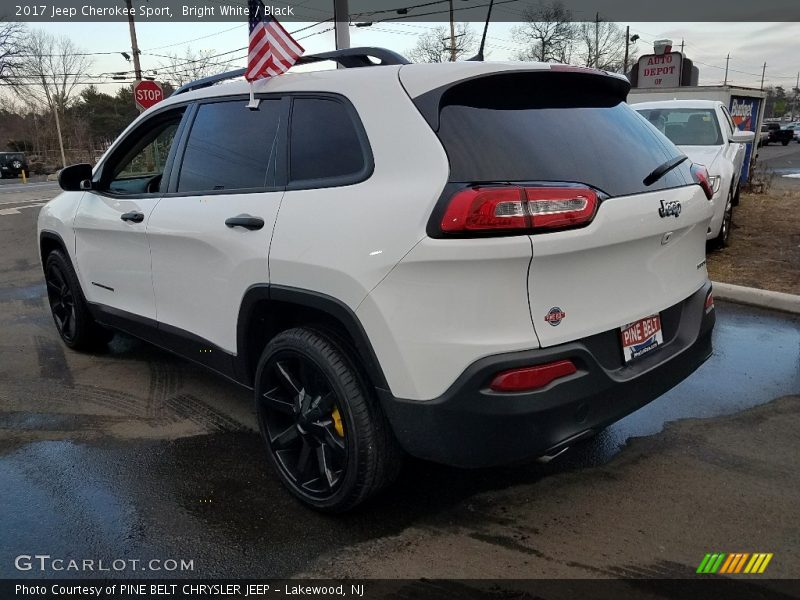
(472, 426)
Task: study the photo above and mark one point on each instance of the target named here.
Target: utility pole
(60, 137)
(597, 40)
(763, 72)
(682, 41)
(727, 60)
(341, 17)
(796, 92)
(627, 43)
(452, 34)
(134, 44)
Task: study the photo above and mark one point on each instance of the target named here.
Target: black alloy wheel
(303, 424)
(62, 303)
(74, 322)
(325, 432)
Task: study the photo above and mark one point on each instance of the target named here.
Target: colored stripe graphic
(764, 564)
(736, 564)
(741, 562)
(728, 564)
(716, 565)
(703, 563)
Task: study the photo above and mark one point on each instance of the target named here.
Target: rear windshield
(551, 127)
(686, 126)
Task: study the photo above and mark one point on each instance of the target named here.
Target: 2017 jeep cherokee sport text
(474, 263)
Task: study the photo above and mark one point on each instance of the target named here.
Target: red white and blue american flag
(271, 50)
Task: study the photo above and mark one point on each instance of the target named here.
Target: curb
(755, 297)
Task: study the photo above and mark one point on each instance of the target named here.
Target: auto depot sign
(147, 93)
(660, 70)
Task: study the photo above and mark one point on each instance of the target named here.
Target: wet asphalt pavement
(784, 163)
(135, 454)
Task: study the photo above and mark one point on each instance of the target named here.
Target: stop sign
(147, 93)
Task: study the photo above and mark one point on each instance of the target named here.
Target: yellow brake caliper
(337, 422)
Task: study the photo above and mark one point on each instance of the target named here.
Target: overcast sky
(749, 44)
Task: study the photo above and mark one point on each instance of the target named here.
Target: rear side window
(231, 147)
(325, 143)
(551, 127)
(686, 126)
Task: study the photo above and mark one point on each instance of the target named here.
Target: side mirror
(742, 137)
(75, 178)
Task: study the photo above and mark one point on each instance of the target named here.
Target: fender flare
(333, 307)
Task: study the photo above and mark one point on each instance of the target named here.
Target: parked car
(12, 164)
(763, 138)
(777, 134)
(473, 263)
(704, 130)
(795, 129)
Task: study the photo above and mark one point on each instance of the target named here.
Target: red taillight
(531, 378)
(487, 209)
(481, 209)
(700, 174)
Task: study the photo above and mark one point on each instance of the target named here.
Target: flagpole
(253, 104)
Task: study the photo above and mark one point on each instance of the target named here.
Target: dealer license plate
(641, 337)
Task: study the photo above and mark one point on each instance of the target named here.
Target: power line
(194, 39)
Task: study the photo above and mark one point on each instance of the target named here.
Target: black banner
(712, 588)
(380, 11)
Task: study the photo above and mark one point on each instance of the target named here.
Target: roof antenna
(479, 56)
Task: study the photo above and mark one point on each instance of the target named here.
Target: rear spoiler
(594, 83)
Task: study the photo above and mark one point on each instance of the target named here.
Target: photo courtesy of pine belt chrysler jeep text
(472, 263)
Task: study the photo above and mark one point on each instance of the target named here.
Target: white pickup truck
(705, 132)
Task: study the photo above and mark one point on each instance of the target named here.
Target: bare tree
(601, 44)
(194, 64)
(548, 33)
(11, 48)
(434, 45)
(50, 70)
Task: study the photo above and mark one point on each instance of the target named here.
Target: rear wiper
(663, 169)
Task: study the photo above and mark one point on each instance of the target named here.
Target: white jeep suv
(474, 263)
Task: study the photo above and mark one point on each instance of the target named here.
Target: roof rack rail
(348, 58)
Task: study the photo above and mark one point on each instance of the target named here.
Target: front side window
(686, 126)
(231, 147)
(324, 142)
(140, 167)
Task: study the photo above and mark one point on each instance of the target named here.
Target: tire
(721, 241)
(75, 325)
(324, 430)
(785, 143)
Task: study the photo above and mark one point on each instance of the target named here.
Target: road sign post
(147, 93)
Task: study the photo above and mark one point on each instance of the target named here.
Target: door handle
(246, 221)
(133, 217)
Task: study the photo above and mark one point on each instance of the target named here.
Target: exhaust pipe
(546, 458)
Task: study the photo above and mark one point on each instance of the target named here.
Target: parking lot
(136, 454)
(783, 162)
